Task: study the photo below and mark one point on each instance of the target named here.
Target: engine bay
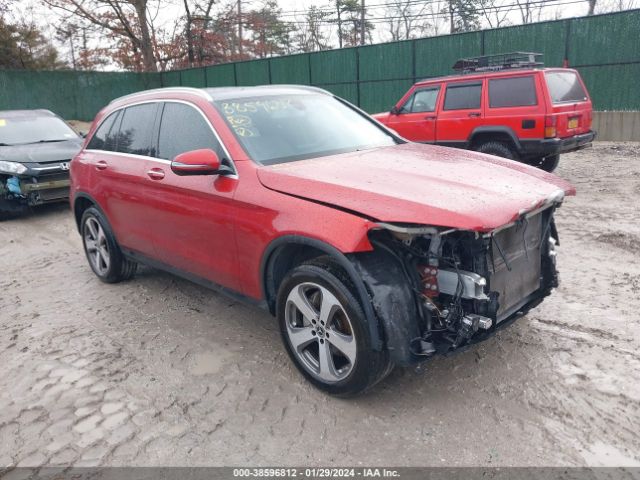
(465, 284)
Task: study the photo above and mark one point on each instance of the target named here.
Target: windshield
(20, 130)
(565, 87)
(284, 128)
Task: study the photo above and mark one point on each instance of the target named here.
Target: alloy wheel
(320, 332)
(95, 242)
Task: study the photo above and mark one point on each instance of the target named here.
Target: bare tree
(496, 12)
(310, 36)
(406, 19)
(124, 19)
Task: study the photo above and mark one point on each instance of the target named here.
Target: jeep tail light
(550, 130)
(429, 276)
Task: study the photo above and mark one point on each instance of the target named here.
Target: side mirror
(395, 110)
(198, 162)
(83, 134)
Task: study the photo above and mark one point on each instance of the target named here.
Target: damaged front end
(23, 186)
(436, 290)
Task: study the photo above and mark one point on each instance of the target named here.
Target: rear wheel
(325, 331)
(499, 149)
(548, 164)
(102, 251)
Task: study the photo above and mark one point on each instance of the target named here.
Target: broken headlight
(12, 167)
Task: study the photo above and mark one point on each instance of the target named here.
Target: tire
(498, 149)
(335, 356)
(548, 164)
(103, 253)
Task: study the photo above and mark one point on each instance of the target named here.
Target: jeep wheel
(325, 331)
(104, 255)
(548, 164)
(498, 149)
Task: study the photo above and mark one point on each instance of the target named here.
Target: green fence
(604, 48)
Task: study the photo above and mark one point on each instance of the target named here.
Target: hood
(421, 184)
(41, 152)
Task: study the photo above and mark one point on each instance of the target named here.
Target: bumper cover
(555, 146)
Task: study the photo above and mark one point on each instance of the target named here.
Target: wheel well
(79, 207)
(280, 262)
(484, 137)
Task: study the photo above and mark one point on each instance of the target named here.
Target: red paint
(218, 227)
(457, 126)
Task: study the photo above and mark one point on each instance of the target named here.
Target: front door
(416, 119)
(461, 112)
(192, 216)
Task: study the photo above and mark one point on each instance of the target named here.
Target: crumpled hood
(421, 184)
(41, 152)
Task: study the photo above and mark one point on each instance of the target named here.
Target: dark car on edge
(36, 147)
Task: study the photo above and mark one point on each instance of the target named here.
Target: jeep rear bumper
(555, 146)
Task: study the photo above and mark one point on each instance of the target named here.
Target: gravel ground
(158, 371)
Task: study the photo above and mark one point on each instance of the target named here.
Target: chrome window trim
(162, 160)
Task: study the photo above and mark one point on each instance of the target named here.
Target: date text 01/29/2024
(316, 472)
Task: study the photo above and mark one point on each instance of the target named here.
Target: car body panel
(419, 184)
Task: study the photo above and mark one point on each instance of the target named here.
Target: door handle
(101, 165)
(156, 174)
(474, 115)
(430, 117)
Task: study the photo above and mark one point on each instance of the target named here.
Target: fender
(495, 129)
(86, 196)
(393, 300)
(266, 276)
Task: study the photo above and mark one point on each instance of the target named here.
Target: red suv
(371, 251)
(504, 105)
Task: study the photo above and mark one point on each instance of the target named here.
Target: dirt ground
(158, 371)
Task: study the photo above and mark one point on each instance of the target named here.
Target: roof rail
(498, 61)
(197, 91)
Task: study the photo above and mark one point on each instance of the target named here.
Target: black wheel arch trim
(266, 277)
(95, 205)
(483, 129)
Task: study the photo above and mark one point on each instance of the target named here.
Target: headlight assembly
(12, 167)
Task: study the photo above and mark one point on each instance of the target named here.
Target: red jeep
(505, 105)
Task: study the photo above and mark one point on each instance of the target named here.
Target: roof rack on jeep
(497, 62)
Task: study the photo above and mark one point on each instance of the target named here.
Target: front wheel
(325, 331)
(102, 251)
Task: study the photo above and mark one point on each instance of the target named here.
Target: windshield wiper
(51, 141)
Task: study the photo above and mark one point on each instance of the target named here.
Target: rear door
(192, 217)
(513, 102)
(460, 113)
(569, 102)
(416, 119)
(118, 153)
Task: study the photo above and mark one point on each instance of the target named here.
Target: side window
(512, 92)
(136, 129)
(425, 100)
(463, 96)
(104, 138)
(183, 129)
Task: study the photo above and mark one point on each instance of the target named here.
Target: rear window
(565, 87)
(463, 96)
(512, 92)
